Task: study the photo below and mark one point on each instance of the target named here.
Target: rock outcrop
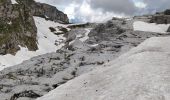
(106, 31)
(168, 29)
(44, 10)
(161, 17)
(17, 27)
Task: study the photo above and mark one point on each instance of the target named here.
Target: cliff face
(44, 10)
(17, 27)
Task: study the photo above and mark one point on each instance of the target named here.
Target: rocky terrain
(17, 26)
(91, 55)
(85, 49)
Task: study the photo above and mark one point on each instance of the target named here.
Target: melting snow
(46, 44)
(150, 27)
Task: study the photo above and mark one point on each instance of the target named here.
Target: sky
(101, 10)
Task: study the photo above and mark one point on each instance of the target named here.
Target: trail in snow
(46, 44)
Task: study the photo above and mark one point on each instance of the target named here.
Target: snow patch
(46, 44)
(150, 27)
(14, 2)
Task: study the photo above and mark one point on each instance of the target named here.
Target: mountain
(45, 11)
(85, 49)
(122, 59)
(17, 24)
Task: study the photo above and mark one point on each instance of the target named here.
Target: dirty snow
(150, 27)
(46, 44)
(143, 73)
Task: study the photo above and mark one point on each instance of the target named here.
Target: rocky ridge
(45, 11)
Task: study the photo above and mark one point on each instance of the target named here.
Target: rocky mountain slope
(17, 26)
(103, 61)
(140, 74)
(85, 49)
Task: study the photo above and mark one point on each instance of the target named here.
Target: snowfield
(143, 73)
(150, 27)
(46, 44)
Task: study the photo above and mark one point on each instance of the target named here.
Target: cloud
(92, 10)
(85, 13)
(101, 10)
(140, 4)
(157, 5)
(117, 6)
